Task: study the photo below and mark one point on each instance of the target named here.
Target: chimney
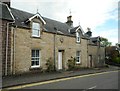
(6, 2)
(89, 33)
(69, 21)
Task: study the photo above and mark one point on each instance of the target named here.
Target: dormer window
(77, 37)
(35, 29)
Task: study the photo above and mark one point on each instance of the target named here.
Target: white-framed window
(77, 37)
(35, 29)
(78, 57)
(35, 58)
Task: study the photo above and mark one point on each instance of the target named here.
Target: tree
(105, 42)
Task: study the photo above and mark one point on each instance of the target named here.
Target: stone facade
(24, 43)
(97, 54)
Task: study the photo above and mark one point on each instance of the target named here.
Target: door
(59, 60)
(90, 60)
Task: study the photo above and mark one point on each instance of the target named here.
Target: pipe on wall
(6, 56)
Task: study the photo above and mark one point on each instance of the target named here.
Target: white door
(59, 60)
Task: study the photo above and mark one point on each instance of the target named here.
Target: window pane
(35, 29)
(36, 32)
(37, 53)
(37, 62)
(36, 26)
(77, 36)
(36, 59)
(32, 63)
(33, 53)
(33, 59)
(78, 56)
(77, 59)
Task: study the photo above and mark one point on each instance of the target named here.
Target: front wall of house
(69, 46)
(98, 55)
(24, 43)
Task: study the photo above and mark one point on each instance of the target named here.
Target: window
(35, 58)
(35, 29)
(78, 57)
(77, 37)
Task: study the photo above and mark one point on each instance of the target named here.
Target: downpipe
(6, 61)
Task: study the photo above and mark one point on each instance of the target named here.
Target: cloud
(111, 35)
(89, 13)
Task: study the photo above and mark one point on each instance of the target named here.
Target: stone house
(33, 39)
(96, 53)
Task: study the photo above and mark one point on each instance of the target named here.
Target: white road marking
(92, 87)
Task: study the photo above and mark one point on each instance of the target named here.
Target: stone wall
(24, 43)
(98, 55)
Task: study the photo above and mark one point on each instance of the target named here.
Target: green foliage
(116, 60)
(50, 65)
(105, 42)
(71, 63)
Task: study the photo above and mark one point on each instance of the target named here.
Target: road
(105, 80)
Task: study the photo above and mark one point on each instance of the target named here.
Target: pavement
(16, 80)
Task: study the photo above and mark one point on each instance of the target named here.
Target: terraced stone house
(33, 39)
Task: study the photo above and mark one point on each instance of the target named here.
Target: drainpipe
(54, 47)
(54, 52)
(7, 46)
(87, 53)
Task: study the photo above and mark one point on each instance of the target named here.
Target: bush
(116, 60)
(71, 63)
(50, 65)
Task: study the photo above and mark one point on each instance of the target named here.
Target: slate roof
(73, 30)
(50, 26)
(5, 13)
(21, 17)
(94, 41)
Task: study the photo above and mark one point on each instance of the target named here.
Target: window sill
(78, 63)
(37, 37)
(38, 66)
(78, 42)
(35, 67)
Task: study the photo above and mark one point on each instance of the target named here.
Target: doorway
(60, 60)
(90, 61)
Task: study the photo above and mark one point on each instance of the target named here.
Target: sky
(99, 15)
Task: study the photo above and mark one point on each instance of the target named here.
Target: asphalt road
(107, 80)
